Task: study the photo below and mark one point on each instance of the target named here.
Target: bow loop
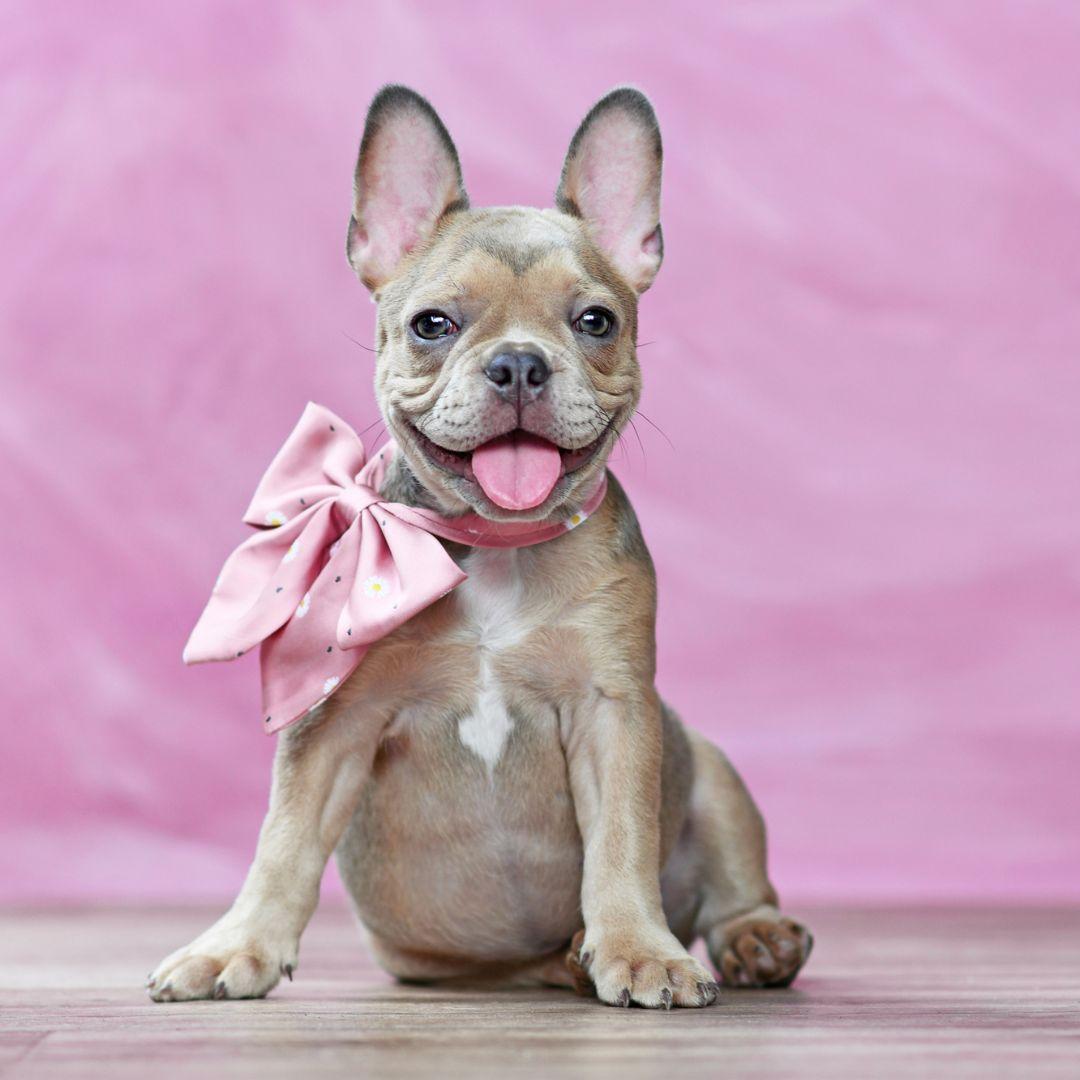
(262, 586)
(317, 461)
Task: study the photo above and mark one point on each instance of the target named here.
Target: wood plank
(913, 993)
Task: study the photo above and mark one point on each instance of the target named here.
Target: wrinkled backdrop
(859, 475)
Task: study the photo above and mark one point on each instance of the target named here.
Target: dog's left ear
(611, 179)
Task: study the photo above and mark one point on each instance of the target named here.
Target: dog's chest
(494, 618)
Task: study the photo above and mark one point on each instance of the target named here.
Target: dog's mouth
(518, 470)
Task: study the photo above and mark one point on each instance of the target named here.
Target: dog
(509, 799)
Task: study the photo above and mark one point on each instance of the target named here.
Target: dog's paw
(653, 971)
(759, 950)
(233, 959)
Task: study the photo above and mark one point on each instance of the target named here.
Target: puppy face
(506, 337)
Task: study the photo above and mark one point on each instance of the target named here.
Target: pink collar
(334, 567)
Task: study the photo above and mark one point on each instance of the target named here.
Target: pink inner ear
(407, 181)
(618, 192)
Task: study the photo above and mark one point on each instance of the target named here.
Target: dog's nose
(517, 375)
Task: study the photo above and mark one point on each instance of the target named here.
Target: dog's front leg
(320, 768)
(614, 753)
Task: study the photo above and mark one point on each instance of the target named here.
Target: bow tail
(295, 681)
(302, 664)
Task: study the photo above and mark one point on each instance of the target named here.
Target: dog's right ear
(407, 178)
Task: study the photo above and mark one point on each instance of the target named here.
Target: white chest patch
(486, 731)
(492, 609)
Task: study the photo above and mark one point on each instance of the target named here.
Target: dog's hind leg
(750, 942)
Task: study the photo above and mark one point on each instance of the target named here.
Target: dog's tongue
(517, 471)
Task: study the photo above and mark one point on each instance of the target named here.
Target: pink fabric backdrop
(864, 348)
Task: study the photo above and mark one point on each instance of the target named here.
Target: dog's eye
(431, 325)
(596, 322)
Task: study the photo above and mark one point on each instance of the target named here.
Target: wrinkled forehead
(511, 254)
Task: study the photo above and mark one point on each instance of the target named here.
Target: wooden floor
(913, 993)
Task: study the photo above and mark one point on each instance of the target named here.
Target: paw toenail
(287, 970)
(585, 959)
(624, 999)
(219, 991)
(665, 998)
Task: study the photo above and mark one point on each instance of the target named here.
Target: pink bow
(335, 568)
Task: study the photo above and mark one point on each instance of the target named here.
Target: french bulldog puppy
(509, 798)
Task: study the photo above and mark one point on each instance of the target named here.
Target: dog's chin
(447, 472)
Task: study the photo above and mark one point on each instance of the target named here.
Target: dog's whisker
(656, 427)
(380, 440)
(641, 445)
(377, 420)
(360, 344)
